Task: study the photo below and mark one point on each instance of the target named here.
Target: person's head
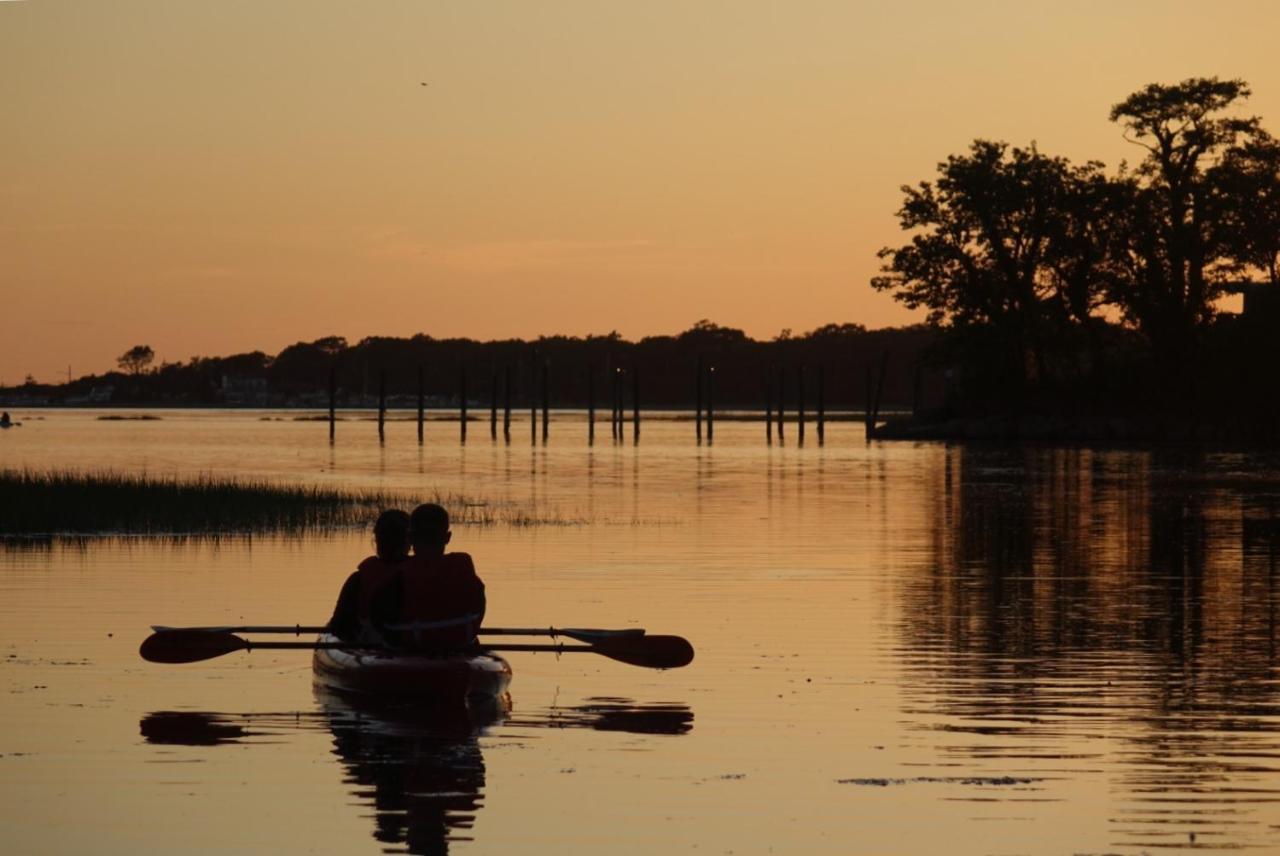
(429, 527)
(391, 534)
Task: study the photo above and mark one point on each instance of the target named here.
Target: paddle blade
(188, 646)
(653, 652)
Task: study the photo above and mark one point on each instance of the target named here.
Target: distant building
(96, 395)
(245, 391)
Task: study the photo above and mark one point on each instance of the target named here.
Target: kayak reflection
(419, 767)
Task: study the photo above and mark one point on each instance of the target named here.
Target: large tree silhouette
(1034, 259)
(985, 254)
(1169, 266)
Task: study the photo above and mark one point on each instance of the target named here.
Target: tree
(981, 257)
(331, 345)
(136, 359)
(705, 332)
(1248, 181)
(1170, 255)
(836, 331)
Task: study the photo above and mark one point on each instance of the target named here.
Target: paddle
(581, 634)
(192, 646)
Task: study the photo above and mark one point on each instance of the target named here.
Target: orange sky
(216, 177)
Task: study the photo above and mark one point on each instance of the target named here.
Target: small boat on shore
(450, 679)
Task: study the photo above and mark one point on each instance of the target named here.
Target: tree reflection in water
(1080, 601)
(420, 768)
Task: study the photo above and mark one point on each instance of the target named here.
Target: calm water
(901, 649)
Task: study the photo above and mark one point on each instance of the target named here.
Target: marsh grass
(106, 502)
(69, 503)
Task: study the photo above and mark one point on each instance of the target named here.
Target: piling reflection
(1083, 606)
(420, 768)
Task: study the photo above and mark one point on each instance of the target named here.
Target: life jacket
(442, 600)
(374, 574)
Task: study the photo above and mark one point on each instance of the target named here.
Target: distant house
(96, 395)
(245, 391)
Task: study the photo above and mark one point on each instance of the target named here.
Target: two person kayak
(468, 677)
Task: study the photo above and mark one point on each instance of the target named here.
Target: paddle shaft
(250, 645)
(582, 634)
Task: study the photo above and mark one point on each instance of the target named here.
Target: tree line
(1068, 284)
(666, 365)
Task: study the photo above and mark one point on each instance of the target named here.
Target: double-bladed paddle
(581, 634)
(191, 645)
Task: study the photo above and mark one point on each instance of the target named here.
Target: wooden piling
(506, 403)
(822, 405)
(546, 399)
(614, 391)
(333, 403)
(493, 405)
(382, 406)
(635, 404)
(800, 405)
(711, 405)
(884, 369)
(533, 400)
(782, 401)
(697, 399)
(462, 404)
(866, 404)
(591, 405)
(768, 405)
(422, 404)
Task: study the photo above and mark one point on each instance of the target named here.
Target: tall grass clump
(34, 502)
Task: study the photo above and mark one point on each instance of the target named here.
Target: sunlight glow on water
(901, 648)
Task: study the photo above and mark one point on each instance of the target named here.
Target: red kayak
(453, 678)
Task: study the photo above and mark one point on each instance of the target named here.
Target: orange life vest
(442, 599)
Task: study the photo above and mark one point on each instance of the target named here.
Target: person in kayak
(352, 616)
(435, 601)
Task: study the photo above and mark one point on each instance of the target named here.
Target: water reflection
(202, 728)
(421, 769)
(1118, 610)
(614, 714)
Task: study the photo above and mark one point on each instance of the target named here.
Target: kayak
(451, 678)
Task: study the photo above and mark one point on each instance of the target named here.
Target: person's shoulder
(461, 562)
(369, 563)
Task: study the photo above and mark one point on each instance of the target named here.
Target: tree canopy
(136, 360)
(1033, 255)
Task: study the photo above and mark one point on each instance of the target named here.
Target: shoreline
(1108, 431)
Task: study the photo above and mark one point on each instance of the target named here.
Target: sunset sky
(215, 177)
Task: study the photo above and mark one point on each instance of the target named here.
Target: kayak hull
(451, 679)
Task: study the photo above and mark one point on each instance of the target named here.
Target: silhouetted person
(352, 616)
(5, 421)
(435, 601)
